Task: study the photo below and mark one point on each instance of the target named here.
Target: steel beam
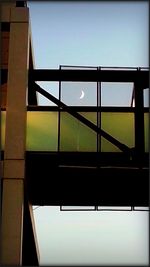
(79, 181)
(101, 75)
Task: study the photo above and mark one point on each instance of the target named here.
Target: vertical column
(5, 28)
(98, 121)
(59, 121)
(99, 113)
(30, 250)
(139, 121)
(15, 138)
(4, 64)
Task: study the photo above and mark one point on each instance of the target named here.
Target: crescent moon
(82, 94)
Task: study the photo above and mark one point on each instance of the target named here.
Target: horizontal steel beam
(109, 185)
(86, 109)
(90, 75)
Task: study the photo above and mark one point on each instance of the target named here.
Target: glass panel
(79, 93)
(87, 137)
(50, 87)
(91, 116)
(116, 94)
(106, 146)
(146, 97)
(42, 131)
(69, 131)
(120, 126)
(75, 136)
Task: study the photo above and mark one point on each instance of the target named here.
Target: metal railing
(98, 208)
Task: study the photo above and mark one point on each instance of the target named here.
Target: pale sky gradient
(90, 34)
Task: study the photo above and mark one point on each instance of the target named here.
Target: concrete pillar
(15, 138)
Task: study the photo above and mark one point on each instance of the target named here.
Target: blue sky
(90, 33)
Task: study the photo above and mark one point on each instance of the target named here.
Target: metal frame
(139, 77)
(85, 108)
(88, 123)
(96, 208)
(116, 164)
(102, 74)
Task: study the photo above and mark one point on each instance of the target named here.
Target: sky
(95, 34)
(90, 34)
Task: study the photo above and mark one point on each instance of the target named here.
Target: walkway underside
(111, 179)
